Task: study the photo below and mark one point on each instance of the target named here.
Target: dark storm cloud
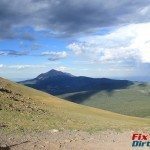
(10, 16)
(69, 17)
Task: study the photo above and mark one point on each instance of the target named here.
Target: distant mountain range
(57, 83)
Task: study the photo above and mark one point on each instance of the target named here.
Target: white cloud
(55, 55)
(1, 65)
(126, 44)
(62, 68)
(145, 10)
(13, 53)
(77, 48)
(19, 67)
(2, 53)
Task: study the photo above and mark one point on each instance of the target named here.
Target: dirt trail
(69, 140)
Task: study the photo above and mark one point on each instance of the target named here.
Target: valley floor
(69, 140)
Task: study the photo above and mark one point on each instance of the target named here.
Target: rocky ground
(68, 140)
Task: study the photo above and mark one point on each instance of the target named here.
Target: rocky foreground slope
(33, 118)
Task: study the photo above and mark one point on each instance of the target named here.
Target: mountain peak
(58, 72)
(54, 73)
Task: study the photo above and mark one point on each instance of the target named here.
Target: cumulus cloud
(53, 56)
(68, 17)
(77, 48)
(128, 44)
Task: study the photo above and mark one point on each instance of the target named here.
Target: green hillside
(133, 101)
(24, 109)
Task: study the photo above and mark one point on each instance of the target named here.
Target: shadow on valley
(142, 85)
(80, 97)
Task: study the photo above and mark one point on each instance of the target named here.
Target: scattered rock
(3, 145)
(43, 146)
(60, 145)
(2, 89)
(14, 98)
(3, 125)
(35, 146)
(54, 130)
(4, 148)
(68, 140)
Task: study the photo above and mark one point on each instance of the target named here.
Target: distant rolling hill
(23, 109)
(120, 96)
(56, 83)
(133, 101)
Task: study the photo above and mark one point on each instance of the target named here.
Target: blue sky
(90, 38)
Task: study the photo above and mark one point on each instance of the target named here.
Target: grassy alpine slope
(133, 101)
(24, 109)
